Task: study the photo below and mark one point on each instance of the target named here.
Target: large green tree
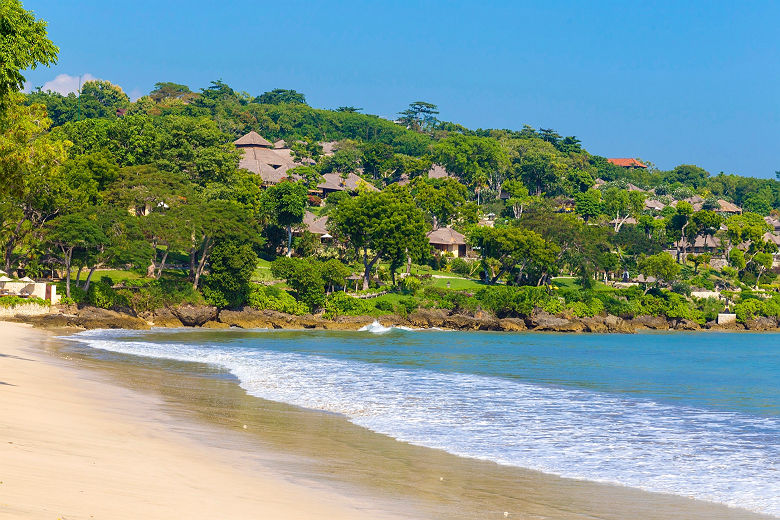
(380, 225)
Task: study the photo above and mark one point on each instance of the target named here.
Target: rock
(248, 318)
(195, 315)
(357, 322)
(650, 322)
(686, 325)
(163, 318)
(541, 320)
(761, 323)
(595, 324)
(88, 318)
(511, 324)
(215, 325)
(427, 318)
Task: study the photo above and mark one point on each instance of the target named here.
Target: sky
(692, 82)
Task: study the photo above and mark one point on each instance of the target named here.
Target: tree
(349, 109)
(516, 250)
(335, 274)
(474, 160)
(304, 276)
(518, 196)
(102, 99)
(440, 199)
(623, 204)
(762, 261)
(588, 204)
(661, 266)
(285, 203)
(689, 175)
(280, 95)
(419, 116)
(31, 181)
(66, 233)
(380, 225)
(166, 91)
(231, 265)
(23, 45)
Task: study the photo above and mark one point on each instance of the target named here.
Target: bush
(506, 301)
(710, 308)
(748, 309)
(304, 276)
(383, 305)
(555, 305)
(407, 306)
(410, 285)
(275, 299)
(460, 266)
(144, 296)
(341, 304)
(13, 301)
(103, 295)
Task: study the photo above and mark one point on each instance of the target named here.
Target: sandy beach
(77, 449)
(105, 437)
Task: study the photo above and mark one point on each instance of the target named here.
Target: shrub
(13, 301)
(341, 304)
(410, 285)
(505, 301)
(407, 305)
(383, 305)
(144, 296)
(554, 305)
(460, 266)
(304, 276)
(275, 299)
(103, 295)
(710, 308)
(748, 309)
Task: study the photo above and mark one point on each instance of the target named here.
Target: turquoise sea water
(695, 414)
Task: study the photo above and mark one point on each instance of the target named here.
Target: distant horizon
(667, 84)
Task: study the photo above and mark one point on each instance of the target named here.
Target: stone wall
(25, 309)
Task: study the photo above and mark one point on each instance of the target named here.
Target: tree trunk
(289, 241)
(202, 263)
(366, 270)
(89, 277)
(78, 274)
(68, 255)
(11, 244)
(162, 265)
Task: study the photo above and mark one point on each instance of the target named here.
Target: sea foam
(720, 456)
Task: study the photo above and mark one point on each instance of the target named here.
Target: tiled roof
(627, 163)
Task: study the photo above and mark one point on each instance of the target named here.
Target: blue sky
(669, 82)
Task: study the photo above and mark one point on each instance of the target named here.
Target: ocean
(692, 414)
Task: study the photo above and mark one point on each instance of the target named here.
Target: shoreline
(210, 317)
(76, 446)
(315, 447)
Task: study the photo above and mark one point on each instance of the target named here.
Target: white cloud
(135, 94)
(65, 83)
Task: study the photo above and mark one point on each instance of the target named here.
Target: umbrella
(2, 272)
(26, 279)
(4, 278)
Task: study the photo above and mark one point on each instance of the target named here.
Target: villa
(447, 240)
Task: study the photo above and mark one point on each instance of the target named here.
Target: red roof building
(627, 163)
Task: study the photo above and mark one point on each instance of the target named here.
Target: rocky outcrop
(163, 318)
(761, 324)
(541, 320)
(88, 318)
(427, 318)
(649, 322)
(511, 325)
(686, 325)
(195, 315)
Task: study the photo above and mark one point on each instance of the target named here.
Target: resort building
(447, 240)
(261, 157)
(351, 183)
(626, 163)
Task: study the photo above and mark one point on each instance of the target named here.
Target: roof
(771, 237)
(702, 242)
(656, 205)
(728, 207)
(629, 220)
(280, 144)
(328, 147)
(438, 172)
(314, 224)
(626, 163)
(252, 139)
(634, 187)
(334, 182)
(772, 221)
(446, 236)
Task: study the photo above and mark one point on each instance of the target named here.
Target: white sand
(73, 448)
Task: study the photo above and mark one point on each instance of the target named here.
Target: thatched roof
(328, 147)
(774, 222)
(334, 182)
(629, 220)
(252, 139)
(280, 144)
(728, 207)
(314, 224)
(656, 205)
(438, 172)
(634, 187)
(446, 236)
(701, 242)
(771, 237)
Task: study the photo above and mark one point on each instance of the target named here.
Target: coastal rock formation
(650, 322)
(511, 325)
(195, 315)
(87, 318)
(427, 318)
(761, 323)
(541, 320)
(686, 325)
(163, 318)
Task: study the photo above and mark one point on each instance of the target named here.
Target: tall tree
(380, 225)
(24, 44)
(285, 203)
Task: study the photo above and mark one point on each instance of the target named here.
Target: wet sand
(326, 454)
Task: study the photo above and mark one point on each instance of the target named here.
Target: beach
(86, 437)
(74, 448)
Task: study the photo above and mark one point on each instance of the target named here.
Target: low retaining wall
(26, 309)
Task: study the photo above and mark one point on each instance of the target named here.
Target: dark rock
(195, 315)
(650, 322)
(163, 318)
(215, 325)
(427, 318)
(761, 323)
(511, 324)
(686, 325)
(541, 320)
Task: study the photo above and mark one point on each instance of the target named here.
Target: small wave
(720, 456)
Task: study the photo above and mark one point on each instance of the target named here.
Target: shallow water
(691, 414)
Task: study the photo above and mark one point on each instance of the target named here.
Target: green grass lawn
(571, 282)
(117, 275)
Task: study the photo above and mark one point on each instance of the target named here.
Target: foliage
(275, 299)
(341, 304)
(228, 283)
(14, 301)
